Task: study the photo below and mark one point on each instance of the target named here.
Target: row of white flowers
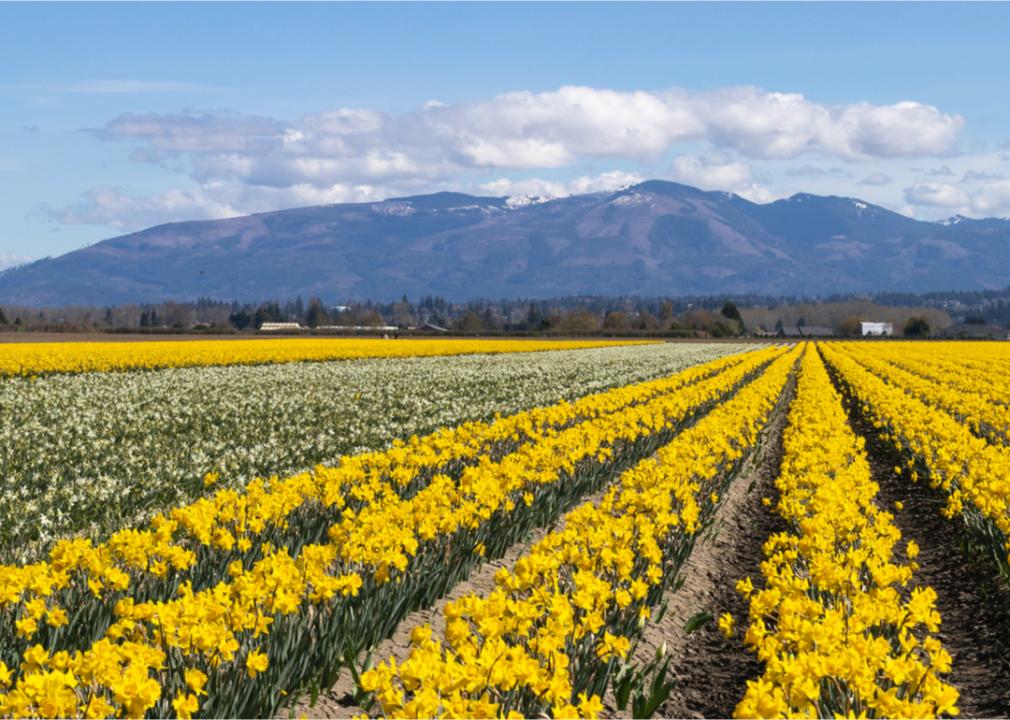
(85, 454)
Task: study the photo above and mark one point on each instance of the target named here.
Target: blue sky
(119, 116)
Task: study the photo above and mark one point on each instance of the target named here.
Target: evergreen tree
(729, 310)
(316, 314)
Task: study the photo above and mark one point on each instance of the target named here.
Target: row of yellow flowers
(227, 525)
(973, 368)
(975, 408)
(971, 472)
(291, 614)
(28, 358)
(839, 626)
(550, 635)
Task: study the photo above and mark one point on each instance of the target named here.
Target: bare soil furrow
(710, 671)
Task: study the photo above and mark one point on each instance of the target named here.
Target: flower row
(29, 358)
(838, 625)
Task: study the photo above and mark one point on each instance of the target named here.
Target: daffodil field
(73, 446)
(233, 528)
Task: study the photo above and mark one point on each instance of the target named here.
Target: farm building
(805, 331)
(280, 327)
(878, 329)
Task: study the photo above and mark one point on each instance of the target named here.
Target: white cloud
(719, 171)
(784, 125)
(526, 130)
(8, 260)
(987, 199)
(993, 198)
(604, 182)
(712, 171)
(937, 195)
(116, 208)
(242, 163)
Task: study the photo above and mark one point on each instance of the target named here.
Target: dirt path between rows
(972, 599)
(710, 671)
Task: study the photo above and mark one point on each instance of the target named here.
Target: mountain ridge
(653, 238)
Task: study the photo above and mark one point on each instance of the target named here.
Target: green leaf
(697, 621)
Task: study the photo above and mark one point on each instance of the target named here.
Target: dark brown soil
(972, 598)
(710, 671)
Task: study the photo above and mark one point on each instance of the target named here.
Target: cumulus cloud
(241, 162)
(604, 182)
(712, 171)
(876, 179)
(526, 130)
(990, 198)
(936, 195)
(993, 198)
(719, 171)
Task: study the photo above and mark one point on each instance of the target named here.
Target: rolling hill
(655, 238)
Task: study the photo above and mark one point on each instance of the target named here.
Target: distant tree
(666, 315)
(974, 320)
(778, 325)
(917, 327)
(534, 317)
(239, 319)
(616, 320)
(262, 316)
(488, 319)
(372, 318)
(470, 322)
(579, 320)
(3, 317)
(850, 326)
(729, 310)
(316, 314)
(802, 322)
(646, 321)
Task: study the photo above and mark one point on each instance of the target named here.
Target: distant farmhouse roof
(805, 331)
(359, 328)
(280, 326)
(431, 327)
(973, 330)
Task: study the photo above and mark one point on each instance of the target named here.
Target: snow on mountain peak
(393, 207)
(521, 201)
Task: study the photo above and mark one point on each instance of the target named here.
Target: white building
(280, 327)
(878, 329)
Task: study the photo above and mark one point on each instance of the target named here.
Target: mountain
(655, 238)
